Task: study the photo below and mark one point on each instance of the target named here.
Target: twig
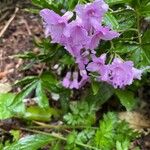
(27, 27)
(8, 22)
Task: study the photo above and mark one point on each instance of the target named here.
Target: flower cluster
(80, 37)
(118, 73)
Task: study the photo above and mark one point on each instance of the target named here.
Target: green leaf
(72, 4)
(122, 146)
(126, 98)
(114, 2)
(64, 100)
(67, 60)
(49, 81)
(125, 48)
(146, 44)
(95, 87)
(105, 134)
(42, 99)
(114, 133)
(104, 93)
(37, 113)
(15, 134)
(110, 20)
(126, 19)
(139, 57)
(82, 113)
(5, 100)
(32, 142)
(57, 145)
(26, 80)
(17, 106)
(146, 11)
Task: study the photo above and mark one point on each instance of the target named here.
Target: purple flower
(121, 73)
(91, 14)
(98, 65)
(55, 24)
(67, 80)
(84, 79)
(103, 33)
(76, 37)
(74, 83)
(82, 60)
(137, 73)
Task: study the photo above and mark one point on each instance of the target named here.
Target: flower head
(121, 73)
(72, 81)
(55, 24)
(102, 33)
(76, 37)
(91, 14)
(98, 65)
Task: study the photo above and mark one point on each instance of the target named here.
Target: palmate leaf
(32, 142)
(46, 82)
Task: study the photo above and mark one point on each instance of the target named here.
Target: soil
(18, 38)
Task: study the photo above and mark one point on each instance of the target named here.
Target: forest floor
(19, 37)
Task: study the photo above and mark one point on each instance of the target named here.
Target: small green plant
(114, 134)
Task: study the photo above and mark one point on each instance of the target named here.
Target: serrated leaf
(31, 142)
(126, 98)
(110, 20)
(105, 134)
(5, 100)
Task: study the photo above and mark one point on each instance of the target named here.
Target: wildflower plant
(94, 51)
(80, 37)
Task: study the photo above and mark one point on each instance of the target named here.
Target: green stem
(131, 29)
(138, 27)
(44, 125)
(58, 137)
